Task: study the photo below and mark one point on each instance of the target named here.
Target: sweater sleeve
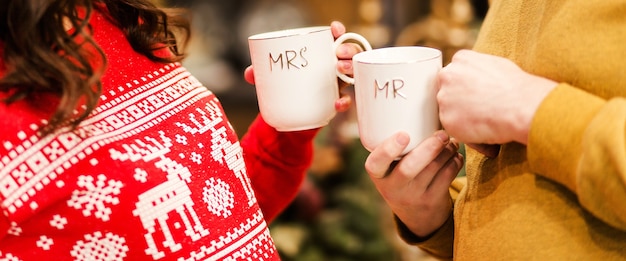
(585, 149)
(439, 244)
(277, 163)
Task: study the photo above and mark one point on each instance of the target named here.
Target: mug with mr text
(395, 90)
(295, 75)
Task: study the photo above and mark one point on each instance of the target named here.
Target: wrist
(423, 226)
(411, 237)
(533, 95)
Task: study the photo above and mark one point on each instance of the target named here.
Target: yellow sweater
(562, 197)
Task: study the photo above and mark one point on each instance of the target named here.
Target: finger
(343, 103)
(422, 176)
(417, 160)
(346, 51)
(379, 160)
(337, 28)
(443, 78)
(424, 179)
(248, 75)
(412, 165)
(445, 176)
(345, 67)
(462, 55)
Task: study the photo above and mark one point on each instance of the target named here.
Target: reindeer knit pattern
(155, 173)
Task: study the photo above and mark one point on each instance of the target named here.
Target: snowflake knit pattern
(155, 173)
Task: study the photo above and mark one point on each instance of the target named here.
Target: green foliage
(349, 226)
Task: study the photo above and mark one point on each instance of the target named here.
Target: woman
(111, 150)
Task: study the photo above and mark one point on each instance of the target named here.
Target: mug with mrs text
(395, 90)
(296, 77)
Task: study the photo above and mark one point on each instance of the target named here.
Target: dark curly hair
(40, 55)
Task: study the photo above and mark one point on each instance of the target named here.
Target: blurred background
(338, 215)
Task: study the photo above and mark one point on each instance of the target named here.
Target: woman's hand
(416, 186)
(344, 53)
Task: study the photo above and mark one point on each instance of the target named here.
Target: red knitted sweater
(156, 172)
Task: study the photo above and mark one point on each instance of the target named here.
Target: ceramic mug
(395, 90)
(296, 77)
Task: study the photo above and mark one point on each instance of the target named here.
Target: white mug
(395, 90)
(296, 77)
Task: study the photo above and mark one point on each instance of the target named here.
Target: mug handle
(350, 36)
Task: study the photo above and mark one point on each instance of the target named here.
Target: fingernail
(342, 49)
(344, 65)
(459, 160)
(340, 104)
(443, 136)
(455, 144)
(402, 139)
